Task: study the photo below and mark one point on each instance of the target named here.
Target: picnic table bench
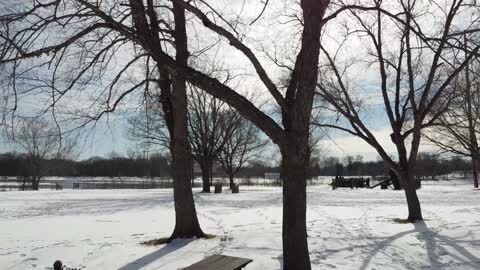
(219, 262)
(353, 182)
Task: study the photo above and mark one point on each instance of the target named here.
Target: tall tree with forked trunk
(415, 69)
(85, 35)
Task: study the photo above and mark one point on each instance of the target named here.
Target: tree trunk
(410, 187)
(193, 180)
(230, 176)
(395, 182)
(186, 221)
(475, 171)
(24, 185)
(206, 178)
(175, 111)
(211, 174)
(294, 175)
(35, 182)
(471, 126)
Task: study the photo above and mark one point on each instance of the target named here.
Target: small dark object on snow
(220, 262)
(218, 188)
(338, 171)
(353, 182)
(384, 185)
(236, 188)
(57, 265)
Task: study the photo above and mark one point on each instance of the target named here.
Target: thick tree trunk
(211, 174)
(24, 185)
(35, 183)
(232, 183)
(410, 187)
(175, 110)
(206, 178)
(193, 177)
(186, 221)
(395, 182)
(294, 176)
(471, 126)
(475, 171)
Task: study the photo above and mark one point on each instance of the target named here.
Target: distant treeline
(158, 165)
(13, 164)
(428, 165)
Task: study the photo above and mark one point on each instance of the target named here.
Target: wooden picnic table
(219, 262)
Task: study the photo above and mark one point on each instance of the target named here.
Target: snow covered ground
(348, 229)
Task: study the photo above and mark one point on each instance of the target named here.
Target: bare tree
(147, 128)
(41, 141)
(173, 98)
(415, 70)
(211, 123)
(241, 147)
(292, 136)
(91, 52)
(459, 128)
(93, 32)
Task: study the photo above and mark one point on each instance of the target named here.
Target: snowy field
(348, 229)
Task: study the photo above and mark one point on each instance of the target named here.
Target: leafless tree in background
(459, 127)
(41, 141)
(241, 147)
(416, 67)
(148, 128)
(85, 35)
(211, 123)
(212, 126)
(91, 53)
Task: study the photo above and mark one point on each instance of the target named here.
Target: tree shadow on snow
(436, 245)
(381, 246)
(435, 251)
(156, 255)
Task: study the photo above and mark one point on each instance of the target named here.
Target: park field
(347, 229)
